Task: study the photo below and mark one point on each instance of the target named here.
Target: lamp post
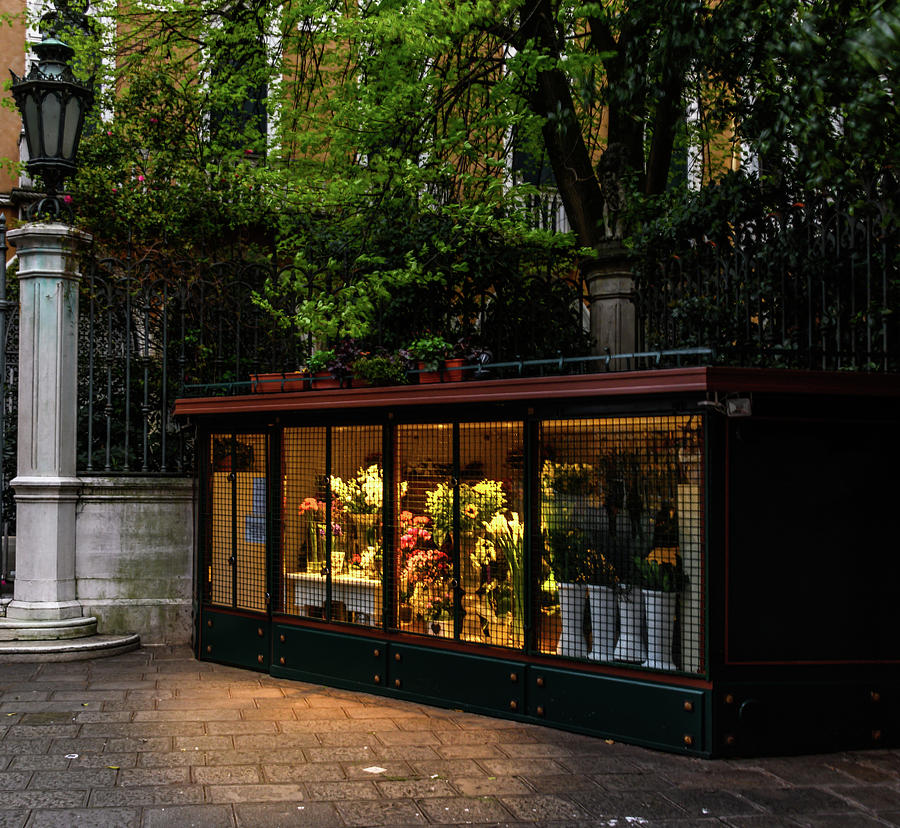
(53, 105)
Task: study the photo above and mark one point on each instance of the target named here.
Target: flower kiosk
(698, 560)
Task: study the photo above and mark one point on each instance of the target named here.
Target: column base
(43, 610)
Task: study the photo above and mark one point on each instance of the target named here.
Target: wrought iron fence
(814, 286)
(147, 328)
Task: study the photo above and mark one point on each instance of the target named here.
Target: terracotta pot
(456, 375)
(323, 379)
(276, 382)
(428, 376)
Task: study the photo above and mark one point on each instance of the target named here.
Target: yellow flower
(664, 555)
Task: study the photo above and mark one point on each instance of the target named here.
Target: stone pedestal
(46, 486)
(611, 290)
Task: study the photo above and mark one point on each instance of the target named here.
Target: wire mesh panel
(304, 522)
(621, 575)
(461, 531)
(236, 551)
(425, 560)
(357, 492)
(491, 532)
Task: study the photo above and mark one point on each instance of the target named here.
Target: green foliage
(380, 369)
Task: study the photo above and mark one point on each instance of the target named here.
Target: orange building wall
(12, 56)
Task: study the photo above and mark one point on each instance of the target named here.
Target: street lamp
(53, 103)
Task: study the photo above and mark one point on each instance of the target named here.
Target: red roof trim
(619, 383)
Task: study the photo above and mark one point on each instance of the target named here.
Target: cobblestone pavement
(155, 738)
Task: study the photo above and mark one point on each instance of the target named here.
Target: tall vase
(571, 608)
(630, 646)
(602, 601)
(660, 608)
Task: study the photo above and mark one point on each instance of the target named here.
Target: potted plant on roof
(319, 366)
(378, 368)
(428, 353)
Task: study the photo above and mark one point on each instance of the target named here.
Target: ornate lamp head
(53, 102)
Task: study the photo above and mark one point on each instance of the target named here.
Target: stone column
(45, 484)
(610, 286)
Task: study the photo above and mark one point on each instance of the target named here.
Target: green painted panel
(651, 714)
(241, 640)
(330, 657)
(450, 678)
(758, 718)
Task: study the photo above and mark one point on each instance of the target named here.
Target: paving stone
(318, 772)
(397, 771)
(225, 775)
(287, 814)
(105, 760)
(273, 742)
(38, 761)
(512, 767)
(372, 813)
(463, 809)
(232, 727)
(409, 753)
(18, 746)
(255, 757)
(636, 804)
(873, 797)
(792, 801)
(346, 739)
(154, 776)
(418, 738)
(338, 791)
(178, 759)
(767, 821)
(141, 745)
(326, 725)
(202, 742)
(209, 715)
(467, 737)
(73, 778)
(43, 799)
(254, 793)
(701, 803)
(14, 818)
(184, 816)
(161, 795)
(544, 808)
(561, 782)
(281, 714)
(415, 788)
(491, 786)
(138, 730)
(14, 781)
(729, 779)
(468, 752)
(341, 754)
(47, 718)
(87, 818)
(95, 716)
(848, 820)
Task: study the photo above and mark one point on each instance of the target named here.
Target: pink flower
(140, 178)
(115, 190)
(67, 199)
(154, 121)
(109, 133)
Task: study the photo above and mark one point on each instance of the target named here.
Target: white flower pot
(571, 608)
(660, 609)
(603, 622)
(630, 647)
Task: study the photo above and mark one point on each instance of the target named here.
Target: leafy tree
(403, 144)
